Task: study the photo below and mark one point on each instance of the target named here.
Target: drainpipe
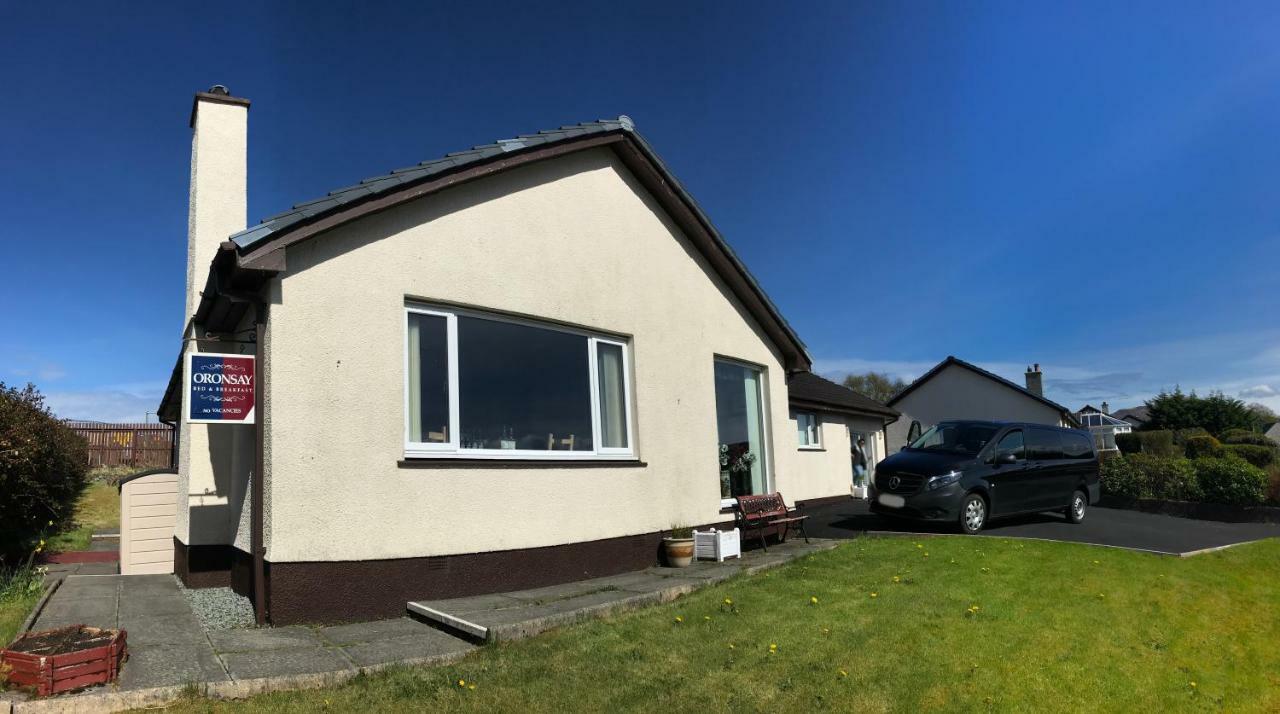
(259, 467)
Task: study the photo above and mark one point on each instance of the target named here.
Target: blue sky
(1088, 186)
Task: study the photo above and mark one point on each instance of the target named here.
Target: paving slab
(146, 606)
(97, 612)
(148, 585)
(645, 582)
(265, 638)
(170, 666)
(433, 644)
(361, 632)
(276, 663)
(557, 592)
(89, 586)
(165, 630)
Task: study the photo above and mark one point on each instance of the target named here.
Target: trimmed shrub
(1273, 484)
(1180, 436)
(1197, 446)
(1259, 456)
(1129, 443)
(1230, 480)
(42, 468)
(1145, 476)
(1120, 477)
(1244, 436)
(1152, 443)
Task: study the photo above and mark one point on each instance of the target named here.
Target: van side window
(1011, 443)
(1077, 446)
(1044, 445)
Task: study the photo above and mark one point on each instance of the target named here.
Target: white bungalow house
(956, 389)
(516, 365)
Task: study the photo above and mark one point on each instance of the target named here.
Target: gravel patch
(220, 608)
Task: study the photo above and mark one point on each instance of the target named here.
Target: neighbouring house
(1273, 432)
(955, 389)
(829, 418)
(1137, 417)
(1102, 425)
(514, 366)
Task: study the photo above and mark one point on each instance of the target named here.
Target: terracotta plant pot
(679, 551)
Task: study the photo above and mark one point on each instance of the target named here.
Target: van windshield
(955, 437)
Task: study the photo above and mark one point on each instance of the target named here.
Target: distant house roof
(806, 389)
(1133, 415)
(952, 360)
(1089, 409)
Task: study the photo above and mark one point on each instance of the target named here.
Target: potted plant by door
(678, 547)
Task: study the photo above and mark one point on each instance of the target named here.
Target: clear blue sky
(1092, 187)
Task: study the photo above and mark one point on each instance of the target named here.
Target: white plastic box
(717, 545)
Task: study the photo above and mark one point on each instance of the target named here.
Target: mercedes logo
(894, 482)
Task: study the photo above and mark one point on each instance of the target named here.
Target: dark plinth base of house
(206, 566)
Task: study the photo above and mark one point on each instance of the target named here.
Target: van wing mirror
(1006, 458)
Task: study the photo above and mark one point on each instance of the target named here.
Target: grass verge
(889, 624)
(98, 508)
(19, 591)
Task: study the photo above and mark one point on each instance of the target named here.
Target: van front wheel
(973, 514)
(1079, 504)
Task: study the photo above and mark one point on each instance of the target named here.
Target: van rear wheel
(1079, 504)
(973, 514)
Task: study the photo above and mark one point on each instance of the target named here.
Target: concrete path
(524, 613)
(1102, 526)
(168, 647)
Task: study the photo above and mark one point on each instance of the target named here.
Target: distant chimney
(1035, 380)
(1106, 408)
(217, 207)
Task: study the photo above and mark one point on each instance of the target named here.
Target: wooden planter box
(64, 659)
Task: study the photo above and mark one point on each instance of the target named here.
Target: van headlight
(942, 481)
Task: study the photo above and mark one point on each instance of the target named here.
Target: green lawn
(98, 508)
(936, 624)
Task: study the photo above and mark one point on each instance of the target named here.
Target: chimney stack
(217, 206)
(1106, 409)
(1035, 380)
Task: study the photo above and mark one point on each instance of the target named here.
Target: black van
(970, 471)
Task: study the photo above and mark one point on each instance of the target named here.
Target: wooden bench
(768, 514)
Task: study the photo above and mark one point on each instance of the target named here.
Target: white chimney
(218, 203)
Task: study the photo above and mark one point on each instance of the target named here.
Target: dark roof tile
(809, 388)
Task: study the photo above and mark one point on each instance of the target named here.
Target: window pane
(613, 406)
(428, 379)
(1044, 445)
(522, 387)
(741, 431)
(1012, 444)
(807, 429)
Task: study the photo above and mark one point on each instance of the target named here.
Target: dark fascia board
(639, 158)
(215, 98)
(953, 360)
(888, 416)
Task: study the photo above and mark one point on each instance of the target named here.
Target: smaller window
(1011, 443)
(808, 430)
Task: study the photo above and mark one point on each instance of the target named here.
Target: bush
(1197, 446)
(42, 468)
(1273, 484)
(1180, 436)
(1260, 456)
(1230, 480)
(1243, 436)
(1152, 443)
(1129, 443)
(1145, 476)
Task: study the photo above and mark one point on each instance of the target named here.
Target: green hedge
(1198, 446)
(1260, 456)
(42, 469)
(1152, 443)
(1145, 476)
(1244, 436)
(1231, 480)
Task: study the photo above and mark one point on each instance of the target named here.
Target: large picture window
(740, 426)
(483, 386)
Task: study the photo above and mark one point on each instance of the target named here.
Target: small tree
(42, 468)
(875, 385)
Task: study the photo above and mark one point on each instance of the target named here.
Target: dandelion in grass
(679, 618)
(875, 595)
(1194, 686)
(732, 646)
(773, 648)
(897, 579)
(844, 673)
(706, 617)
(813, 599)
(462, 682)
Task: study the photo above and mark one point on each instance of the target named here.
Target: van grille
(907, 483)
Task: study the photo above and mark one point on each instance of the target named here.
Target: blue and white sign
(220, 388)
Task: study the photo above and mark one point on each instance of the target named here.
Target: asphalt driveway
(1102, 526)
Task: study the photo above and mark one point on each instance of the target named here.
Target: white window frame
(453, 449)
(816, 445)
